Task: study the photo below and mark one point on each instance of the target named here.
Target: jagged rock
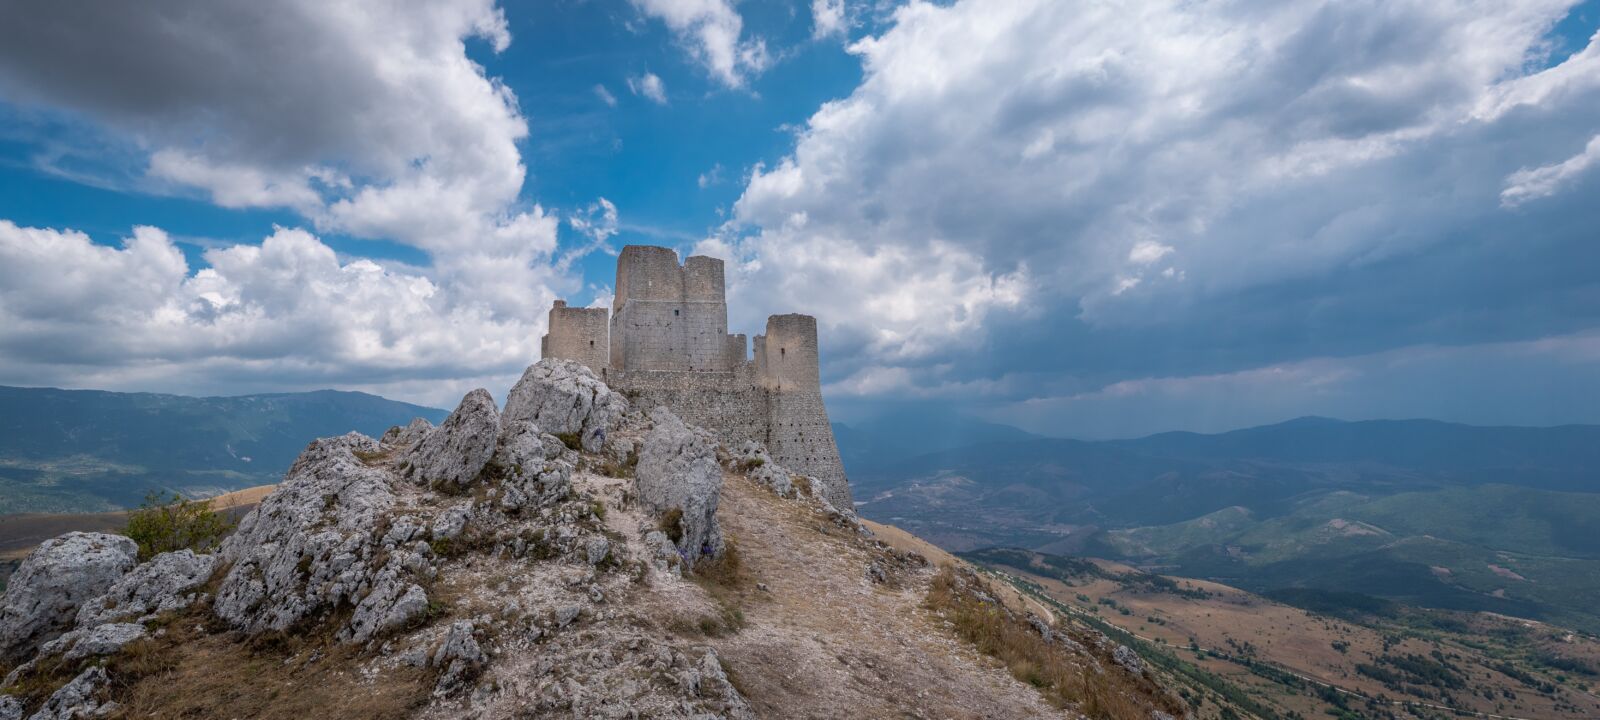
(876, 573)
(306, 548)
(459, 656)
(453, 454)
(564, 397)
(43, 596)
(407, 437)
(10, 708)
(759, 466)
(533, 466)
(393, 603)
(160, 585)
(665, 556)
(596, 550)
(76, 699)
(103, 639)
(1128, 659)
(452, 522)
(1042, 627)
(678, 470)
(522, 443)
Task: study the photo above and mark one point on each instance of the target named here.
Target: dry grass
(672, 524)
(1065, 679)
(725, 570)
(189, 673)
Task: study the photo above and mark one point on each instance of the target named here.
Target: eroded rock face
(76, 699)
(452, 455)
(310, 544)
(44, 595)
(407, 437)
(99, 640)
(533, 466)
(10, 708)
(162, 584)
(678, 470)
(562, 397)
(458, 657)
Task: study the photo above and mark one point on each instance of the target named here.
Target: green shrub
(573, 441)
(176, 523)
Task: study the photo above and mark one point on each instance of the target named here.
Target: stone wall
(793, 424)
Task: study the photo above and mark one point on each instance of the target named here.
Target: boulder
(678, 471)
(43, 597)
(452, 455)
(163, 584)
(563, 397)
(306, 548)
(393, 603)
(76, 699)
(459, 657)
(1128, 659)
(10, 708)
(99, 640)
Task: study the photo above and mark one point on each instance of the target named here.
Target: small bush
(748, 464)
(573, 441)
(160, 526)
(672, 524)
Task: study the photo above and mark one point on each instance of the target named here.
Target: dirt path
(825, 642)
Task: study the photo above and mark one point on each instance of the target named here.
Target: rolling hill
(1505, 519)
(92, 451)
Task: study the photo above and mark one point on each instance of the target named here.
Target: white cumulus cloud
(712, 30)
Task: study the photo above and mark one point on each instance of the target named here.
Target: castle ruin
(665, 341)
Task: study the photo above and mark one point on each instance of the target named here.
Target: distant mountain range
(1426, 512)
(89, 450)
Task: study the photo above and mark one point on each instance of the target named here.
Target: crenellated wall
(666, 343)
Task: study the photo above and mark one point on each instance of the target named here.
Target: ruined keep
(665, 341)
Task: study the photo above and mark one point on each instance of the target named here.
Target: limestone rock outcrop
(536, 468)
(407, 436)
(99, 640)
(43, 598)
(162, 584)
(678, 474)
(312, 543)
(77, 699)
(452, 455)
(563, 397)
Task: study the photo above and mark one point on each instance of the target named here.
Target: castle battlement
(665, 341)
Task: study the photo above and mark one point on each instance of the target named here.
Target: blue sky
(1095, 220)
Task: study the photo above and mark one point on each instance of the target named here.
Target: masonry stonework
(667, 343)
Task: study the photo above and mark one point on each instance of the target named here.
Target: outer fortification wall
(666, 343)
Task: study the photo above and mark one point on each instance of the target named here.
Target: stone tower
(667, 343)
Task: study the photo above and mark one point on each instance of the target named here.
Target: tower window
(674, 311)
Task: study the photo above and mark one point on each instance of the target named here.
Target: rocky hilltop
(565, 556)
